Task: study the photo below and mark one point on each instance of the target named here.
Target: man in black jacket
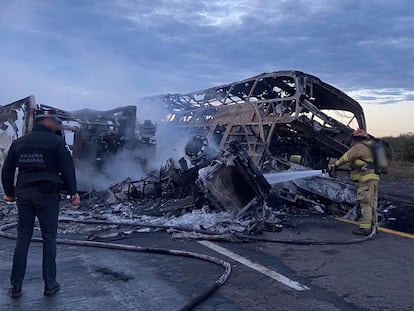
(44, 164)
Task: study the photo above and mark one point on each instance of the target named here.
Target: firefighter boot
(361, 231)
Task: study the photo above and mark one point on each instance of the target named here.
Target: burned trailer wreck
(284, 114)
(96, 138)
(96, 134)
(91, 134)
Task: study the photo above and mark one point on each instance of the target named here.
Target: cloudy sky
(109, 53)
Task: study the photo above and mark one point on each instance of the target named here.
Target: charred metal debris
(233, 133)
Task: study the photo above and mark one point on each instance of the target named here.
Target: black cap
(43, 113)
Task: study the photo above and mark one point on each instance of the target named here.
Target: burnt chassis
(120, 121)
(273, 114)
(111, 129)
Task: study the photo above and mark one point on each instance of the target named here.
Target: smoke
(138, 162)
(115, 168)
(171, 140)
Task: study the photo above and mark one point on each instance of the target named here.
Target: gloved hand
(9, 198)
(331, 170)
(75, 199)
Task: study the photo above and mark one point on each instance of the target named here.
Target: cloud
(111, 52)
(382, 96)
(322, 37)
(203, 13)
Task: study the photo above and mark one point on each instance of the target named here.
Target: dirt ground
(400, 171)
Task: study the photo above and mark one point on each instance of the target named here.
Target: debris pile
(158, 201)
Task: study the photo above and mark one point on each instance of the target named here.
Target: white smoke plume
(128, 163)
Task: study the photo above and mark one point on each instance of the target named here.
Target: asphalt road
(375, 275)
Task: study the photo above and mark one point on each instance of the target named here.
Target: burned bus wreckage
(285, 120)
(254, 151)
(280, 114)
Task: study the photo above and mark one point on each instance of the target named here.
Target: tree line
(403, 146)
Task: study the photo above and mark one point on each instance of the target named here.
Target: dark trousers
(41, 201)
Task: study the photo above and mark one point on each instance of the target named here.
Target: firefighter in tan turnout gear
(361, 159)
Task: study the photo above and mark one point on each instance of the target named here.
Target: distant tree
(403, 146)
(407, 151)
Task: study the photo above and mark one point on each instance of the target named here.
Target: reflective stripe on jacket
(361, 159)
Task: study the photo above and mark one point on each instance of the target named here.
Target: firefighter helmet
(360, 133)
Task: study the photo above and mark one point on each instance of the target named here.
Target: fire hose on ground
(188, 306)
(226, 265)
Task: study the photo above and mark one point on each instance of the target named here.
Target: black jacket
(40, 155)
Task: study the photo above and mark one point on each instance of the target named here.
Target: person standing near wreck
(43, 163)
(363, 172)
